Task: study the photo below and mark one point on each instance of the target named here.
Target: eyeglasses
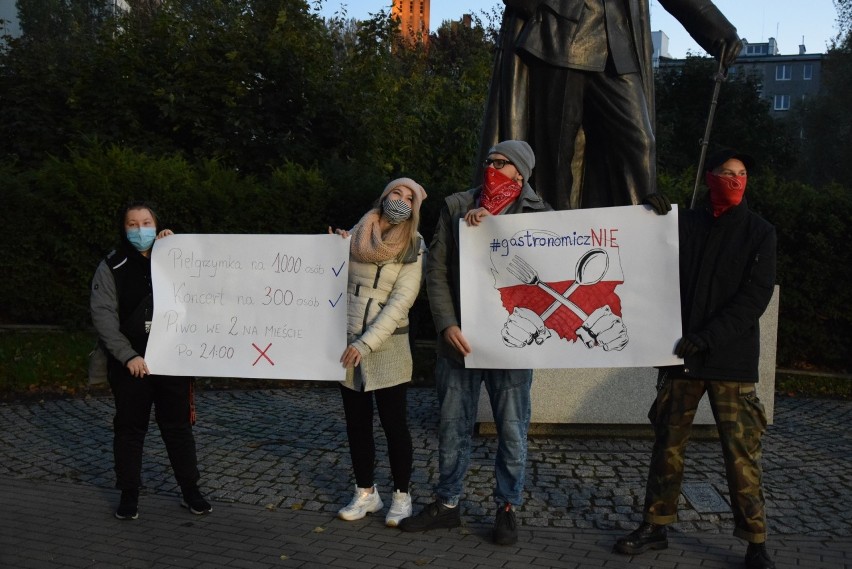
(498, 163)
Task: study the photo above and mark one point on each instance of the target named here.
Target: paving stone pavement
(276, 465)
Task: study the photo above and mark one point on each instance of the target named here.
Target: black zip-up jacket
(727, 276)
(121, 303)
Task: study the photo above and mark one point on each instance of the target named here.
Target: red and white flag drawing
(563, 305)
(600, 295)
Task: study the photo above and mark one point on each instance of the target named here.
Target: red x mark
(262, 354)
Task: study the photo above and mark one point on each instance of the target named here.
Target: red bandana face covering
(725, 191)
(498, 191)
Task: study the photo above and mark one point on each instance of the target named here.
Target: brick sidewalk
(276, 465)
(53, 525)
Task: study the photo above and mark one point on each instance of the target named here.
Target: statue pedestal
(623, 396)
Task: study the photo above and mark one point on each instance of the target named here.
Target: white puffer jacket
(380, 296)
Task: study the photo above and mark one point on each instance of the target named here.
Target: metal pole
(705, 140)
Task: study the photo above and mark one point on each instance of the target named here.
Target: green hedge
(61, 221)
(62, 218)
(815, 318)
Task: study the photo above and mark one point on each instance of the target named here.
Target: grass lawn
(44, 362)
(796, 384)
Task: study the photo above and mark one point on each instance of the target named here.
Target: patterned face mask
(725, 191)
(498, 191)
(396, 211)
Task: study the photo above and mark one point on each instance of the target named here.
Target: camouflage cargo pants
(741, 421)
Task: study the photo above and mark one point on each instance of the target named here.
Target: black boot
(646, 536)
(505, 526)
(757, 557)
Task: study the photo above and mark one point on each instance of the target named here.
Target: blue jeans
(458, 395)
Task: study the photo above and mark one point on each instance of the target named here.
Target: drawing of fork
(522, 271)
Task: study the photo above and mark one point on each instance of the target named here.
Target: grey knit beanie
(519, 152)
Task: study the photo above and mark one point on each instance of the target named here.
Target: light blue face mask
(142, 238)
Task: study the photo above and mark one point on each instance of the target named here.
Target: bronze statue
(574, 79)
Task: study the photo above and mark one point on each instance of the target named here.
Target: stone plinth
(622, 396)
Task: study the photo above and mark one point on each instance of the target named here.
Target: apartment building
(784, 80)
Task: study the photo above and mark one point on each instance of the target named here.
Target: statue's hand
(727, 49)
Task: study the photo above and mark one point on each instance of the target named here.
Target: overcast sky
(756, 20)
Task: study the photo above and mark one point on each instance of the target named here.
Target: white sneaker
(399, 510)
(363, 502)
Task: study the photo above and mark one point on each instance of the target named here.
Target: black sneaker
(505, 526)
(195, 502)
(128, 506)
(646, 536)
(434, 516)
(757, 557)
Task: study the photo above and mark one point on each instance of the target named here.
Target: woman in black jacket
(122, 304)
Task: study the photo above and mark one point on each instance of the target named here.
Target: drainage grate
(704, 498)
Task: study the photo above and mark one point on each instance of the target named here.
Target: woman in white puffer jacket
(385, 272)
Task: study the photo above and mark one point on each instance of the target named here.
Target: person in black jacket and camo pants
(727, 276)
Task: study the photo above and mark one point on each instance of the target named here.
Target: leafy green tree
(416, 111)
(40, 73)
(243, 81)
(844, 17)
(742, 119)
(828, 119)
(460, 62)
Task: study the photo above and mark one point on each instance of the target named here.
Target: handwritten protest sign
(571, 289)
(261, 306)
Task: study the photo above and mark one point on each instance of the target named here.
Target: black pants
(613, 111)
(172, 401)
(393, 414)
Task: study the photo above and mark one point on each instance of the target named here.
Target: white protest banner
(261, 306)
(571, 289)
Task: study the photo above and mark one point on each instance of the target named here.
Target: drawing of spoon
(590, 269)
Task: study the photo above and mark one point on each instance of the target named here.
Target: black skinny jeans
(171, 398)
(393, 414)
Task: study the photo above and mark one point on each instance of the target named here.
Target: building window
(783, 72)
(808, 71)
(756, 49)
(781, 103)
